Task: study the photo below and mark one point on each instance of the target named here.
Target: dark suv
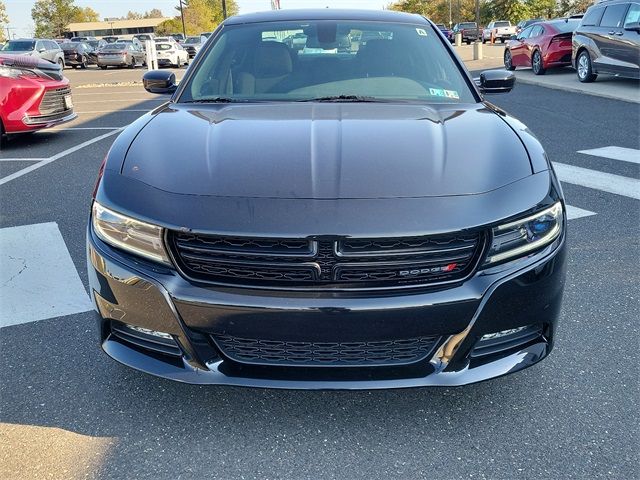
(608, 41)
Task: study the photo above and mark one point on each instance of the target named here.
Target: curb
(539, 83)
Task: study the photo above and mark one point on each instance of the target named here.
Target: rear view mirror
(158, 81)
(633, 26)
(496, 81)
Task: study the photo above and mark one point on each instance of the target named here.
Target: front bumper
(525, 293)
(112, 62)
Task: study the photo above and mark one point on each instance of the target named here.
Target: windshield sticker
(451, 94)
(436, 92)
(422, 32)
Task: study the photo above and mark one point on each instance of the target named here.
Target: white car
(171, 53)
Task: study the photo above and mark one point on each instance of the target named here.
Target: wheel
(468, 42)
(103, 67)
(508, 61)
(83, 65)
(484, 40)
(502, 40)
(132, 64)
(536, 63)
(585, 69)
(177, 64)
(61, 63)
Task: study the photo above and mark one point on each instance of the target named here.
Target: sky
(21, 24)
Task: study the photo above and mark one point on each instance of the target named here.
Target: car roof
(325, 14)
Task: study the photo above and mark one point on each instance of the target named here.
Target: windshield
(398, 62)
(143, 38)
(163, 46)
(502, 24)
(566, 26)
(114, 46)
(192, 40)
(467, 25)
(18, 46)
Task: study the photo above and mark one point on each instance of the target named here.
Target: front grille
(326, 263)
(52, 102)
(305, 354)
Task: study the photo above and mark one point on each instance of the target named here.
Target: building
(123, 28)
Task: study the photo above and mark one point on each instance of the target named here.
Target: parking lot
(68, 411)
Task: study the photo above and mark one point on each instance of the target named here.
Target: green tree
(512, 10)
(542, 8)
(86, 14)
(153, 13)
(199, 16)
(570, 7)
(4, 21)
(52, 17)
(438, 10)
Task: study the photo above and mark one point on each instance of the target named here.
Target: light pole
(224, 8)
(111, 23)
(450, 23)
(184, 30)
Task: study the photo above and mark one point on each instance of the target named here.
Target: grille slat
(305, 354)
(326, 263)
(52, 102)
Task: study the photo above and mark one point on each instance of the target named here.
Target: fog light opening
(506, 341)
(146, 331)
(502, 333)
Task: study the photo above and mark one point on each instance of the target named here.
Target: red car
(541, 46)
(33, 95)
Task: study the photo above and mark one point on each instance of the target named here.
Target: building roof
(142, 22)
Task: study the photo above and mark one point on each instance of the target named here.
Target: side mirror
(41, 49)
(633, 26)
(496, 81)
(158, 81)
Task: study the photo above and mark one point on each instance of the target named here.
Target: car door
(630, 44)
(531, 43)
(609, 39)
(39, 50)
(519, 47)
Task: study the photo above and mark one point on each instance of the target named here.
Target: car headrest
(273, 59)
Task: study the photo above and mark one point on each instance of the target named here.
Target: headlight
(129, 234)
(515, 239)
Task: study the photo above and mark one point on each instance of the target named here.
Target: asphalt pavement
(68, 411)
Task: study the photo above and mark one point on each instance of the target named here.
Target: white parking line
(38, 279)
(607, 182)
(137, 92)
(47, 161)
(22, 159)
(575, 212)
(121, 100)
(60, 129)
(615, 153)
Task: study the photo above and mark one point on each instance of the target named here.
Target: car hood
(326, 151)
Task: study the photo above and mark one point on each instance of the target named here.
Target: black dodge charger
(341, 215)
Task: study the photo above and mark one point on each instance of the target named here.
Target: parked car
(525, 23)
(206, 34)
(444, 29)
(413, 236)
(541, 46)
(607, 41)
(111, 39)
(171, 53)
(193, 45)
(34, 95)
(96, 44)
(469, 31)
(178, 37)
(296, 41)
(143, 37)
(121, 55)
(167, 39)
(82, 39)
(499, 30)
(79, 54)
(36, 47)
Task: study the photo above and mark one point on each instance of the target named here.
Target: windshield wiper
(342, 98)
(216, 100)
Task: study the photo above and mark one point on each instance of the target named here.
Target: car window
(613, 15)
(405, 62)
(592, 17)
(633, 15)
(525, 33)
(536, 31)
(502, 24)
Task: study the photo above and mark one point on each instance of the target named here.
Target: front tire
(103, 67)
(61, 63)
(585, 68)
(536, 63)
(83, 65)
(508, 60)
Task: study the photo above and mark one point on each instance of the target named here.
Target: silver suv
(36, 47)
(608, 40)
